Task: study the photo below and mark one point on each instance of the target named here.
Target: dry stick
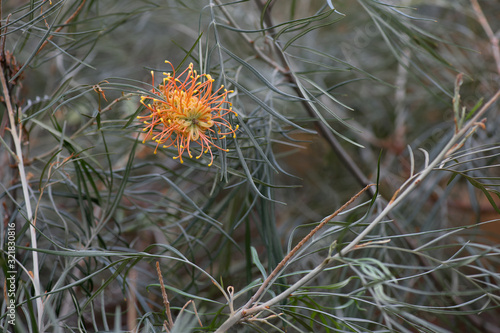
(16, 137)
(132, 302)
(195, 311)
(71, 18)
(299, 246)
(487, 28)
(3, 58)
(165, 297)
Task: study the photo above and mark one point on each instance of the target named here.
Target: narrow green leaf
(256, 261)
(266, 107)
(259, 76)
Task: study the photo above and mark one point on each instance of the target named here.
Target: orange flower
(186, 110)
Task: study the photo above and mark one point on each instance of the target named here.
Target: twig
(299, 246)
(16, 137)
(423, 174)
(487, 28)
(71, 18)
(195, 311)
(323, 129)
(257, 50)
(165, 297)
(132, 302)
(246, 310)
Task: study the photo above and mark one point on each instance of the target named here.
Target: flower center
(192, 117)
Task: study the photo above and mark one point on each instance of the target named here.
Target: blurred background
(328, 101)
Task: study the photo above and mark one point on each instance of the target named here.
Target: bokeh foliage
(328, 101)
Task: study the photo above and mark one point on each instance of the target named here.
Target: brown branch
(322, 128)
(71, 18)
(300, 244)
(131, 302)
(165, 297)
(487, 28)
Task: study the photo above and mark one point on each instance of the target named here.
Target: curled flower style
(183, 111)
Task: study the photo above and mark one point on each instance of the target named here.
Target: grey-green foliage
(377, 75)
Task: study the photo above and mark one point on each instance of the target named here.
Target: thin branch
(283, 67)
(257, 50)
(487, 28)
(165, 297)
(71, 18)
(423, 174)
(16, 137)
(299, 246)
(322, 128)
(246, 310)
(132, 302)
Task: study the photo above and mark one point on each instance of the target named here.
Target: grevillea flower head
(185, 109)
